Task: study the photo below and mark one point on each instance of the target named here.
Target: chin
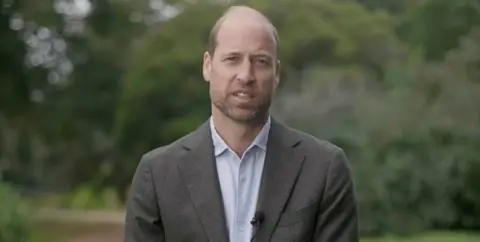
(240, 114)
(244, 116)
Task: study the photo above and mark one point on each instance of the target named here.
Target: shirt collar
(260, 140)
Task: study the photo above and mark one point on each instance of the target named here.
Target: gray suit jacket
(306, 192)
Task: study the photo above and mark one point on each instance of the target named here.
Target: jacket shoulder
(314, 144)
(163, 155)
(320, 153)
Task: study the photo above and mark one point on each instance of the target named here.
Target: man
(242, 175)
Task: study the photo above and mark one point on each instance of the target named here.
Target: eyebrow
(231, 53)
(262, 56)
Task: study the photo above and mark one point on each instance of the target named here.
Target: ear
(277, 73)
(207, 66)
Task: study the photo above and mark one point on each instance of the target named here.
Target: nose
(245, 72)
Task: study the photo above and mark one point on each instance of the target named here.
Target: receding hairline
(212, 39)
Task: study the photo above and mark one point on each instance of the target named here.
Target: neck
(237, 135)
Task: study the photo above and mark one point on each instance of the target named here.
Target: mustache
(246, 90)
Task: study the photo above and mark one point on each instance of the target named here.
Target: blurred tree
(392, 6)
(436, 25)
(14, 91)
(74, 56)
(413, 155)
(15, 94)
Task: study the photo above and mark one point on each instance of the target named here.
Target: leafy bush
(412, 138)
(85, 198)
(14, 223)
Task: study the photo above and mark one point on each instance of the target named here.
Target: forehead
(242, 35)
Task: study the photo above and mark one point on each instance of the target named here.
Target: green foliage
(13, 87)
(413, 143)
(14, 216)
(394, 7)
(85, 197)
(332, 33)
(436, 25)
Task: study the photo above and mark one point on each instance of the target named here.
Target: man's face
(244, 71)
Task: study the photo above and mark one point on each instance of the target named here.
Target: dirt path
(84, 226)
(106, 234)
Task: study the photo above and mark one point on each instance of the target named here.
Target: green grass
(430, 237)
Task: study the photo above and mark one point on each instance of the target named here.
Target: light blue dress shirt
(240, 181)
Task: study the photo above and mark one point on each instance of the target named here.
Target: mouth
(243, 95)
(243, 98)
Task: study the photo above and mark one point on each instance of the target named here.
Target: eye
(231, 58)
(263, 62)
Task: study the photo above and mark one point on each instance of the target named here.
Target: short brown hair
(212, 39)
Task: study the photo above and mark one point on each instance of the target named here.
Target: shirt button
(242, 179)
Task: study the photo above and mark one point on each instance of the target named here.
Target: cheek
(218, 85)
(268, 84)
(217, 89)
(220, 79)
(221, 76)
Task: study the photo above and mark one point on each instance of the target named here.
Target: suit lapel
(282, 166)
(200, 175)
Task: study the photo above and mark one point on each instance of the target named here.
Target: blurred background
(88, 86)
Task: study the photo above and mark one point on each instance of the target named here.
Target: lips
(243, 96)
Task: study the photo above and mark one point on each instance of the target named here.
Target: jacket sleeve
(143, 222)
(338, 220)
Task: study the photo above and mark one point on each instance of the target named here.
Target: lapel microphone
(256, 222)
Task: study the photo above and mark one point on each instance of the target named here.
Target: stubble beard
(248, 115)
